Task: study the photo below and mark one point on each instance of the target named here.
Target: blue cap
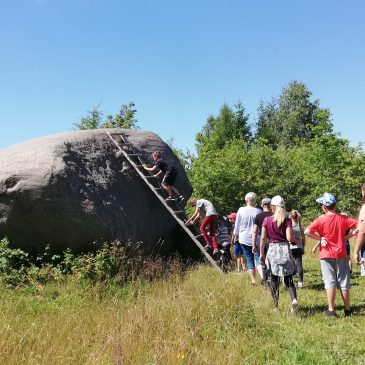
(326, 199)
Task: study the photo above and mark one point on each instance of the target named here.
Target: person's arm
(360, 239)
(351, 234)
(262, 244)
(315, 236)
(232, 238)
(236, 230)
(290, 236)
(194, 217)
(254, 236)
(151, 169)
(302, 236)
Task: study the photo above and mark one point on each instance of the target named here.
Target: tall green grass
(200, 317)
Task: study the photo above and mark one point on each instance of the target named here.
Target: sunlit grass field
(203, 317)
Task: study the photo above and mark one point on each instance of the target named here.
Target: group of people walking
(270, 242)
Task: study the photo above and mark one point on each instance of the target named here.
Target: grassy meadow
(201, 317)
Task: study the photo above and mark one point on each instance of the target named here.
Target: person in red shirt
(360, 239)
(330, 230)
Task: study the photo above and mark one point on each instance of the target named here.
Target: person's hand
(262, 259)
(323, 242)
(254, 249)
(357, 258)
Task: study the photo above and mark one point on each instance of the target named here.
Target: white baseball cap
(278, 201)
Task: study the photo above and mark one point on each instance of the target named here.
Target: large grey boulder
(70, 190)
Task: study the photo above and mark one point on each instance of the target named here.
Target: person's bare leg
(252, 273)
(239, 264)
(331, 296)
(174, 190)
(345, 294)
(259, 270)
(244, 263)
(167, 188)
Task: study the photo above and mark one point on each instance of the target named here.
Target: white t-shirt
(244, 224)
(207, 206)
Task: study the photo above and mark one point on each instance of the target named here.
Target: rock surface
(70, 190)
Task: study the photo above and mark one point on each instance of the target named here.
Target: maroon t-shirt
(275, 234)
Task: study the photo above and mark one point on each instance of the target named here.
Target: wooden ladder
(127, 150)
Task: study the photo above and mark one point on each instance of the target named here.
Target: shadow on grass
(311, 310)
(320, 286)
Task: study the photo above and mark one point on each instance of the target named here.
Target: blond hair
(279, 215)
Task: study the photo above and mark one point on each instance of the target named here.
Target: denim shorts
(251, 258)
(237, 249)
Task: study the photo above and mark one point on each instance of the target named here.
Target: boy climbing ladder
(169, 178)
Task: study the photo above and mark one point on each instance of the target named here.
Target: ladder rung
(199, 236)
(134, 154)
(159, 188)
(126, 144)
(179, 211)
(139, 165)
(150, 177)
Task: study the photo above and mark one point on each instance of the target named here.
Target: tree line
(290, 149)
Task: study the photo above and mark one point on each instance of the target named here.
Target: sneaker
(348, 313)
(180, 199)
(330, 313)
(294, 306)
(300, 285)
(170, 198)
(215, 251)
(207, 247)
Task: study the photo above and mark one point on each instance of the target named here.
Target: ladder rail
(171, 211)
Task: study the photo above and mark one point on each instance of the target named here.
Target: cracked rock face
(70, 190)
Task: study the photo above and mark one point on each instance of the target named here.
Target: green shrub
(114, 261)
(14, 263)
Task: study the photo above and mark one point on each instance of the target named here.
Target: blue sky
(179, 61)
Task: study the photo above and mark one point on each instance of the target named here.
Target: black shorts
(170, 177)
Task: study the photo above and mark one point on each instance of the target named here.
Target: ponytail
(279, 215)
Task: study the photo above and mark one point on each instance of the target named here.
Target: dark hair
(157, 154)
(293, 213)
(331, 207)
